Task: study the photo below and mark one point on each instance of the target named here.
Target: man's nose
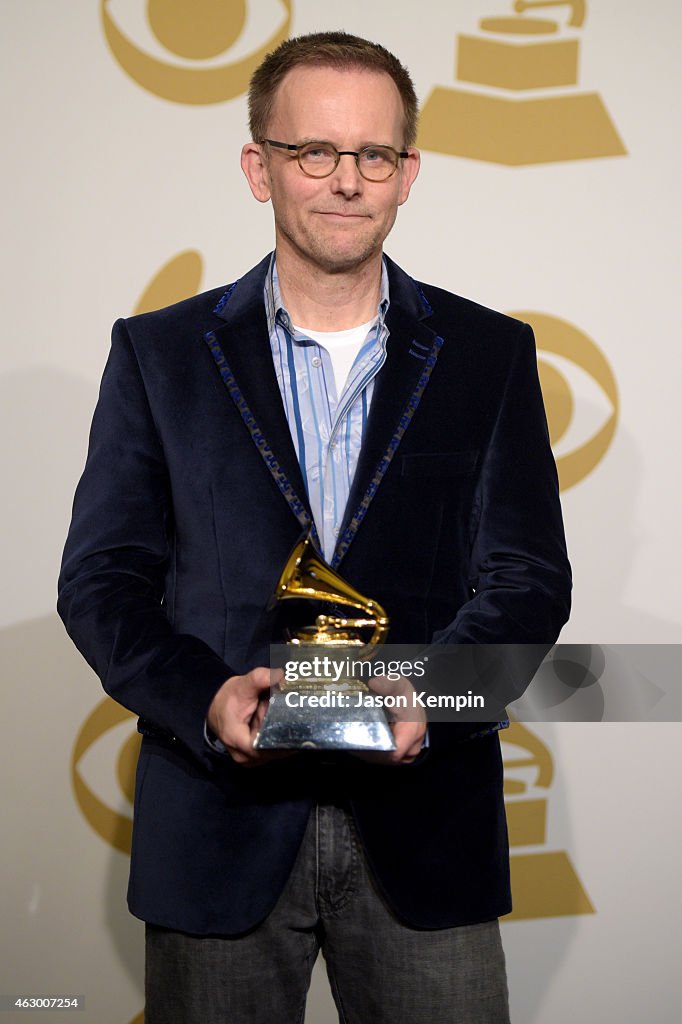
(346, 177)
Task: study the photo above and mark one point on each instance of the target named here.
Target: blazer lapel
(412, 350)
(241, 349)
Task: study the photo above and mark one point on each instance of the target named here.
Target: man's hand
(408, 725)
(236, 714)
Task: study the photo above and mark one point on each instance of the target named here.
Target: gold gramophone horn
(307, 575)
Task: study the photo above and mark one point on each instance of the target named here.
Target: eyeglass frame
(399, 155)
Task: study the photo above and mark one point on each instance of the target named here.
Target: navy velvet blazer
(189, 504)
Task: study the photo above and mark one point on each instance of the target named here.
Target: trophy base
(322, 728)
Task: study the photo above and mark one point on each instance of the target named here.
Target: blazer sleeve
(116, 559)
(519, 573)
(519, 576)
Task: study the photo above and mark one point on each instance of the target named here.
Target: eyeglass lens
(376, 163)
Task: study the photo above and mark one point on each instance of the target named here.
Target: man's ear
(409, 171)
(254, 166)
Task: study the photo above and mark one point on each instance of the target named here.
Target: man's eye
(318, 153)
(374, 156)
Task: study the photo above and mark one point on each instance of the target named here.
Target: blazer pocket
(439, 464)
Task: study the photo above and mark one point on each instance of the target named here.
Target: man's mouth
(343, 216)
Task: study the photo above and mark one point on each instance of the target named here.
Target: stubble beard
(330, 258)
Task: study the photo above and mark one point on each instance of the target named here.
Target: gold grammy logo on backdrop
(197, 32)
(544, 882)
(518, 53)
(576, 352)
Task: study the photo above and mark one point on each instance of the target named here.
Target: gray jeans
(380, 971)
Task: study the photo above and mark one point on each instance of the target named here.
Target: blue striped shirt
(327, 429)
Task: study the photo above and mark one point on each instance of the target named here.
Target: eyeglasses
(320, 159)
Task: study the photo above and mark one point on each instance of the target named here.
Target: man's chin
(344, 260)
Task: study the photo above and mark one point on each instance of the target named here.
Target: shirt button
(332, 445)
(316, 361)
(335, 531)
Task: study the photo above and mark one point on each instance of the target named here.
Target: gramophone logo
(496, 115)
(544, 881)
(580, 395)
(177, 49)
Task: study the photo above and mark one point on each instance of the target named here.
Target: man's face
(339, 222)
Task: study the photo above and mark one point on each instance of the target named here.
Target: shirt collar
(277, 313)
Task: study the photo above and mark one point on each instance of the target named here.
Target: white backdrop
(105, 182)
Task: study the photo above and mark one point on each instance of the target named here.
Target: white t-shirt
(342, 346)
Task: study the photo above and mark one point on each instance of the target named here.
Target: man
(325, 390)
